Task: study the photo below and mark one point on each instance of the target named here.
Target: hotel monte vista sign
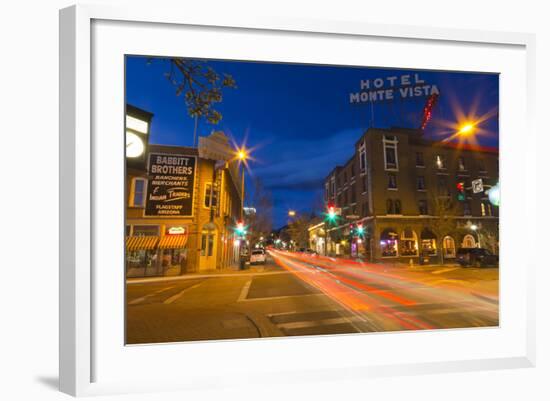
(171, 185)
(395, 87)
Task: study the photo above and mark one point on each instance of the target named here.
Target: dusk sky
(299, 118)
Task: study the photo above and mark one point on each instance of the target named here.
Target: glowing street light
(292, 213)
(466, 129)
(242, 155)
(473, 227)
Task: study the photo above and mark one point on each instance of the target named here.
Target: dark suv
(477, 257)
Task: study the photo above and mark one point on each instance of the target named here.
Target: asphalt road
(295, 294)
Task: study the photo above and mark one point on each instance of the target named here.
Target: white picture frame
(83, 349)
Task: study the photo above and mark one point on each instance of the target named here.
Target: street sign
(338, 211)
(352, 217)
(477, 186)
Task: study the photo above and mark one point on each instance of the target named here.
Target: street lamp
(466, 129)
(292, 213)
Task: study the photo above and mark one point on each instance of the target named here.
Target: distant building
(411, 195)
(181, 207)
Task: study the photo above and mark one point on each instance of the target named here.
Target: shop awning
(173, 242)
(141, 243)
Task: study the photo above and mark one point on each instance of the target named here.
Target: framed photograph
(268, 199)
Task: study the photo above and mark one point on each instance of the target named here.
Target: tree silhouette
(201, 86)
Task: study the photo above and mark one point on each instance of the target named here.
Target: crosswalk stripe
(314, 323)
(143, 298)
(174, 298)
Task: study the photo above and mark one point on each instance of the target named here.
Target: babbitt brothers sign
(170, 186)
(391, 88)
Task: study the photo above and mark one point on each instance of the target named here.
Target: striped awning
(141, 243)
(173, 241)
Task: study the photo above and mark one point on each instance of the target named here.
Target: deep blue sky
(299, 119)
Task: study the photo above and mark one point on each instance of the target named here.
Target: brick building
(162, 240)
(412, 195)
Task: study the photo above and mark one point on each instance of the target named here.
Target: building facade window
(390, 153)
(389, 206)
(137, 193)
(389, 243)
(365, 183)
(467, 208)
(420, 183)
(326, 192)
(423, 207)
(365, 209)
(397, 206)
(363, 158)
(352, 175)
(486, 208)
(440, 162)
(392, 181)
(428, 242)
(481, 166)
(461, 165)
(210, 196)
(442, 186)
(408, 243)
(468, 241)
(449, 247)
(419, 159)
(332, 186)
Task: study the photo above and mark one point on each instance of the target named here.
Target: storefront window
(389, 243)
(429, 246)
(145, 231)
(409, 243)
(448, 247)
(428, 242)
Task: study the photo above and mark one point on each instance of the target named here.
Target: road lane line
(244, 291)
(143, 298)
(174, 298)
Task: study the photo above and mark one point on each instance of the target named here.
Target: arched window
(389, 206)
(428, 242)
(468, 241)
(397, 206)
(449, 247)
(388, 243)
(408, 243)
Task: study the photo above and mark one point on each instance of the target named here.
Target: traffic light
(461, 196)
(360, 229)
(240, 229)
(331, 212)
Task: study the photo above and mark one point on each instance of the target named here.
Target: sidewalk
(228, 271)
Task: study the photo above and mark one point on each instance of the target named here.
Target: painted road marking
(315, 323)
(143, 298)
(174, 298)
(449, 269)
(278, 297)
(244, 291)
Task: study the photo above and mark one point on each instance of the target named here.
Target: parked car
(258, 256)
(476, 257)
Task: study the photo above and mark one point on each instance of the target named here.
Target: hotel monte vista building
(411, 197)
(181, 203)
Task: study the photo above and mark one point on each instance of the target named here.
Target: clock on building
(138, 128)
